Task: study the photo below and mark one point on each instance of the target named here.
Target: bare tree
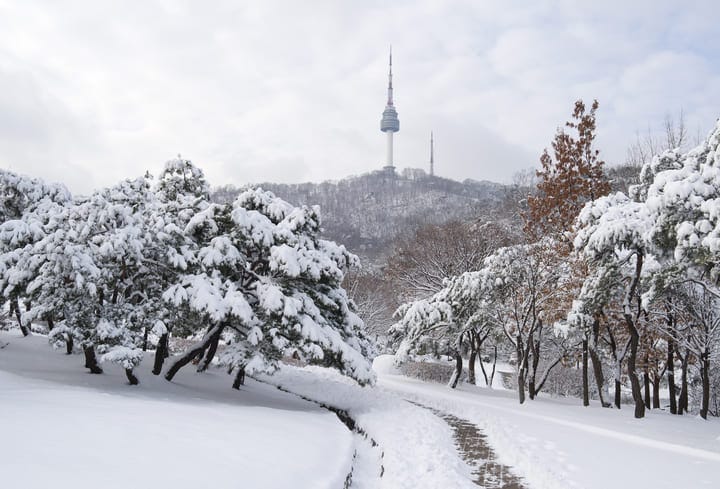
(371, 293)
(674, 135)
(699, 333)
(421, 263)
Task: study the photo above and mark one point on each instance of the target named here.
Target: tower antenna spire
(390, 87)
(432, 155)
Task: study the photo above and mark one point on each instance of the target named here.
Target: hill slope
(367, 212)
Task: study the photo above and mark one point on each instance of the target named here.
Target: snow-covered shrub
(438, 372)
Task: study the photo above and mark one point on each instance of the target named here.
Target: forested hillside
(368, 212)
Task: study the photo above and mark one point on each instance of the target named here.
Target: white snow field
(62, 427)
(557, 443)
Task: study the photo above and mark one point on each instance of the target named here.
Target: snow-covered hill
(367, 212)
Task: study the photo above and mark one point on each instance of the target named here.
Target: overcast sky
(289, 91)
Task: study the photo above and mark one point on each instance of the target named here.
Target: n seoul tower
(390, 123)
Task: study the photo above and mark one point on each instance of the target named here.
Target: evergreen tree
(268, 283)
(25, 205)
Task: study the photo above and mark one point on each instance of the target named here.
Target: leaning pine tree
(267, 286)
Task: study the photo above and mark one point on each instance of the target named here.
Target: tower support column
(389, 148)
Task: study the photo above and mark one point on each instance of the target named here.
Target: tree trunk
(457, 372)
(599, 377)
(131, 377)
(671, 375)
(161, 353)
(489, 380)
(634, 339)
(646, 383)
(212, 349)
(683, 402)
(199, 356)
(522, 365)
(535, 351)
(521, 385)
(634, 381)
(145, 339)
(239, 378)
(69, 344)
(670, 360)
(492, 374)
(617, 365)
(91, 360)
(471, 366)
(482, 369)
(15, 306)
(705, 374)
(585, 388)
(656, 393)
(51, 322)
(189, 355)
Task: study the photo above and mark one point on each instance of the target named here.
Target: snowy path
(61, 427)
(487, 473)
(559, 444)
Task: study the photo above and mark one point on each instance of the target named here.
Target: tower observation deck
(389, 124)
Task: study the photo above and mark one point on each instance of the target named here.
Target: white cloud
(91, 92)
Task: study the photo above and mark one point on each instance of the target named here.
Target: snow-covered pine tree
(25, 204)
(19, 194)
(509, 294)
(127, 294)
(181, 192)
(181, 179)
(83, 272)
(682, 191)
(612, 236)
(515, 289)
(429, 325)
(64, 274)
(272, 287)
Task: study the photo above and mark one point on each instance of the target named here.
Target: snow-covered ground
(61, 427)
(557, 443)
(418, 449)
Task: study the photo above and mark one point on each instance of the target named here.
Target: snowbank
(418, 447)
(385, 364)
